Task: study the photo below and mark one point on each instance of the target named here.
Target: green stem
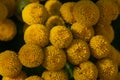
(69, 69)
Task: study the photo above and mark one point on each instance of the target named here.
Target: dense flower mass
(86, 12)
(85, 71)
(34, 13)
(10, 65)
(59, 40)
(31, 55)
(60, 36)
(78, 52)
(34, 77)
(81, 31)
(53, 6)
(37, 34)
(8, 30)
(54, 21)
(99, 46)
(55, 58)
(55, 75)
(108, 10)
(66, 11)
(103, 69)
(22, 75)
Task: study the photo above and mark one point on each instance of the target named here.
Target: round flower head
(55, 58)
(54, 21)
(53, 7)
(107, 69)
(31, 55)
(34, 77)
(10, 65)
(7, 30)
(34, 13)
(82, 31)
(55, 75)
(3, 12)
(11, 6)
(37, 34)
(108, 10)
(85, 71)
(60, 36)
(78, 52)
(99, 46)
(66, 12)
(106, 30)
(86, 12)
(21, 76)
(114, 55)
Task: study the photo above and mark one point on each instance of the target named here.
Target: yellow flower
(66, 11)
(37, 34)
(86, 12)
(10, 65)
(85, 71)
(60, 36)
(99, 46)
(107, 69)
(55, 75)
(31, 55)
(8, 30)
(78, 52)
(34, 13)
(55, 58)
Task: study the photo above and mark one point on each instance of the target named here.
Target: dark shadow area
(116, 27)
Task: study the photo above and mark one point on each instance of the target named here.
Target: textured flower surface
(59, 39)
